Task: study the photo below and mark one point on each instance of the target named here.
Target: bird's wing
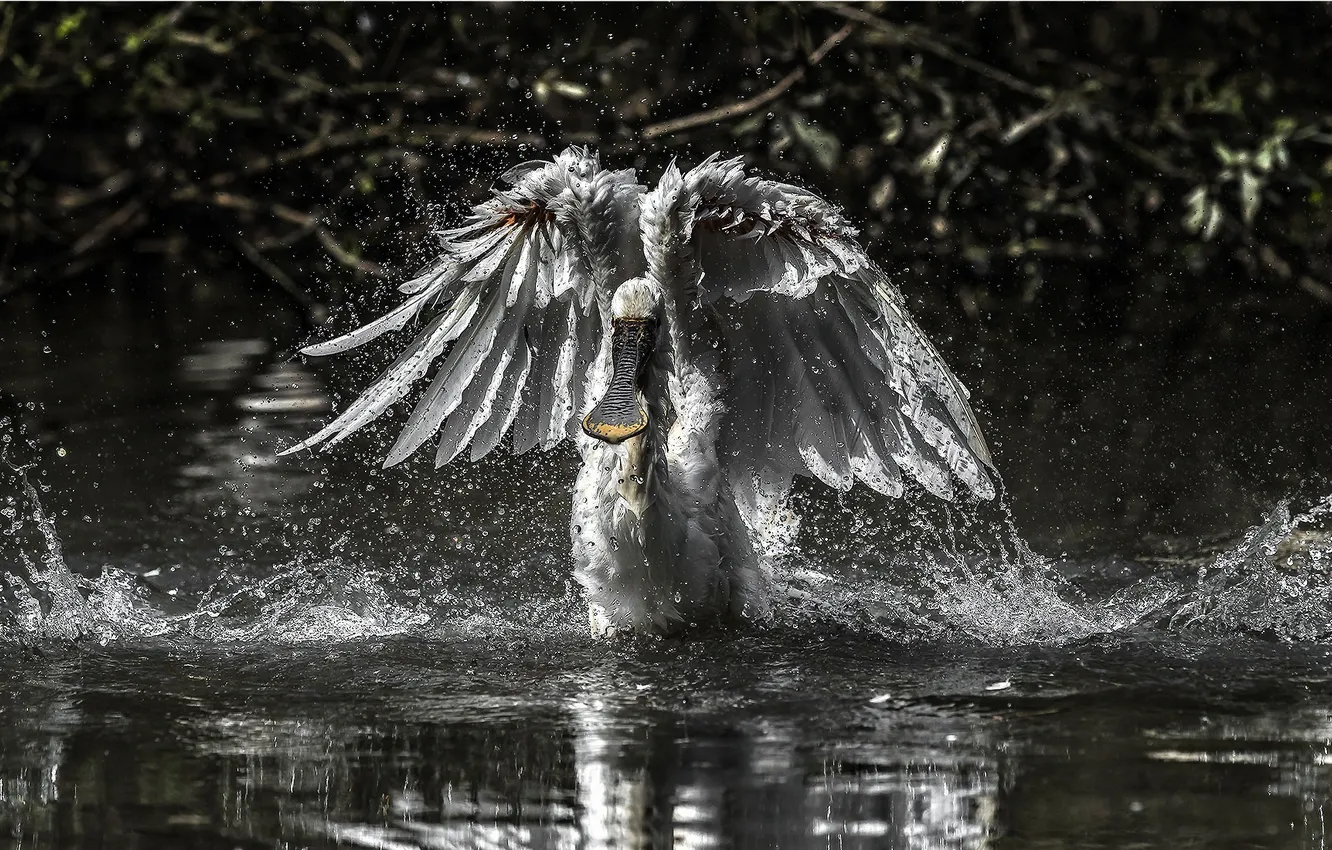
(826, 373)
(517, 302)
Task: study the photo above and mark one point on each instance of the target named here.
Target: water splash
(322, 601)
(43, 595)
(959, 573)
(303, 603)
(919, 570)
(1276, 582)
(937, 573)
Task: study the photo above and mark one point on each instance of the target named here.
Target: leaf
(1196, 202)
(893, 125)
(573, 91)
(934, 157)
(1213, 221)
(750, 125)
(882, 194)
(1250, 195)
(1263, 161)
(821, 144)
(1227, 156)
(70, 23)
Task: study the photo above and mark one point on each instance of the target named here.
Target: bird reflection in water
(601, 769)
(644, 782)
(593, 778)
(766, 787)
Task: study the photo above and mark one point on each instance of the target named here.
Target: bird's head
(635, 324)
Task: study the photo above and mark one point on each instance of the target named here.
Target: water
(202, 645)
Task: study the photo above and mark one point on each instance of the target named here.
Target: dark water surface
(247, 651)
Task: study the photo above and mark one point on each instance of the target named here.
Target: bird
(705, 342)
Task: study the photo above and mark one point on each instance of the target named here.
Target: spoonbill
(704, 342)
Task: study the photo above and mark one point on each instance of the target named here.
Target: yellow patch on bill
(615, 432)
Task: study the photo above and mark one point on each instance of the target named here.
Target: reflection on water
(234, 455)
(580, 775)
(236, 752)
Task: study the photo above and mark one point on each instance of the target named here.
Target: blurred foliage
(1122, 158)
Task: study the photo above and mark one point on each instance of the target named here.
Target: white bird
(704, 342)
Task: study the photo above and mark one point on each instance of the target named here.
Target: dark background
(1113, 219)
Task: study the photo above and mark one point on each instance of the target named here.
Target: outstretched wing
(827, 373)
(518, 301)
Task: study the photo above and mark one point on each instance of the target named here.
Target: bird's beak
(620, 415)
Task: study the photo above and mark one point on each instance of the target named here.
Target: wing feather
(478, 403)
(518, 295)
(397, 379)
(554, 399)
(391, 321)
(829, 376)
(584, 360)
(506, 404)
(529, 400)
(459, 374)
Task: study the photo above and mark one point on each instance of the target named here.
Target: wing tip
(984, 488)
(401, 450)
(325, 348)
(307, 443)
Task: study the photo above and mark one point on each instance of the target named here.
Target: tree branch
(744, 107)
(943, 51)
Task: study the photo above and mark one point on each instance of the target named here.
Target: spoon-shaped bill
(620, 414)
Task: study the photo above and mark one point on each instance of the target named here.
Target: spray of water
(944, 573)
(1276, 582)
(44, 597)
(962, 572)
(319, 601)
(937, 572)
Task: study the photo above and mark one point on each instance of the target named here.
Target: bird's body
(704, 343)
(658, 542)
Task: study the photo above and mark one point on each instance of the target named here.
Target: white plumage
(714, 337)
